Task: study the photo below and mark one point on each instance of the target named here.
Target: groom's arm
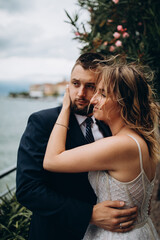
(34, 192)
(111, 216)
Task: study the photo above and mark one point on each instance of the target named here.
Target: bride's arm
(57, 139)
(100, 155)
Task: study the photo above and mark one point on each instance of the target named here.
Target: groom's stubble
(87, 110)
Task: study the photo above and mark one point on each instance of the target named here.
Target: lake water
(14, 113)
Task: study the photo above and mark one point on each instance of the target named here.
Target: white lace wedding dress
(138, 193)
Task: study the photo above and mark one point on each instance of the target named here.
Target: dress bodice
(137, 192)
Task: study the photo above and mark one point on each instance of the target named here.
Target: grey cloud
(25, 42)
(59, 47)
(26, 39)
(15, 40)
(15, 5)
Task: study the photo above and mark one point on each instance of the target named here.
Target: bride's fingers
(67, 90)
(67, 99)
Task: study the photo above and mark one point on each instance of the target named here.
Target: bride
(121, 167)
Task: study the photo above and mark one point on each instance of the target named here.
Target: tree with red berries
(127, 27)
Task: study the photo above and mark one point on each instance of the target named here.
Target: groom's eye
(76, 83)
(90, 86)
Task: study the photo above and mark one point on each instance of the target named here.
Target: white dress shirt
(97, 134)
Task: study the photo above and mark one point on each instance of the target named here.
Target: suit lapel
(104, 128)
(75, 135)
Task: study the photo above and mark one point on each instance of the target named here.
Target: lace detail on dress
(135, 193)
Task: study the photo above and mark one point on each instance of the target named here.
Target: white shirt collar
(81, 119)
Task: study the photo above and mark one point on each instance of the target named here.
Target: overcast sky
(35, 43)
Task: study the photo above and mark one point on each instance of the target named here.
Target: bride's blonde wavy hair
(128, 84)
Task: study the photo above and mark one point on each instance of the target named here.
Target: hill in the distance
(7, 87)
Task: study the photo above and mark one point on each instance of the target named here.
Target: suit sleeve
(32, 190)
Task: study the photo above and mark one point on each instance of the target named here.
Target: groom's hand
(109, 216)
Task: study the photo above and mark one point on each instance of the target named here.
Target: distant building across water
(47, 89)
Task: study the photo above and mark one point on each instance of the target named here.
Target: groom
(64, 204)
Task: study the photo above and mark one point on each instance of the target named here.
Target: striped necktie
(89, 134)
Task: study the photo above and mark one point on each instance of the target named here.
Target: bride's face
(105, 107)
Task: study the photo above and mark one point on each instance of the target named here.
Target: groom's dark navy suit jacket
(61, 203)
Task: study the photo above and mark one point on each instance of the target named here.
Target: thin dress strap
(142, 171)
(140, 152)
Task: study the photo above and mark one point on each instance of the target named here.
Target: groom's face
(81, 88)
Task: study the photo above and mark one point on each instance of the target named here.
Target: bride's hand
(67, 99)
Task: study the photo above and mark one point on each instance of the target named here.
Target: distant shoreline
(15, 87)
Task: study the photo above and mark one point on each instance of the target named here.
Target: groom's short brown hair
(89, 60)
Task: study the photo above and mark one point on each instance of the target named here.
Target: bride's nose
(94, 99)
